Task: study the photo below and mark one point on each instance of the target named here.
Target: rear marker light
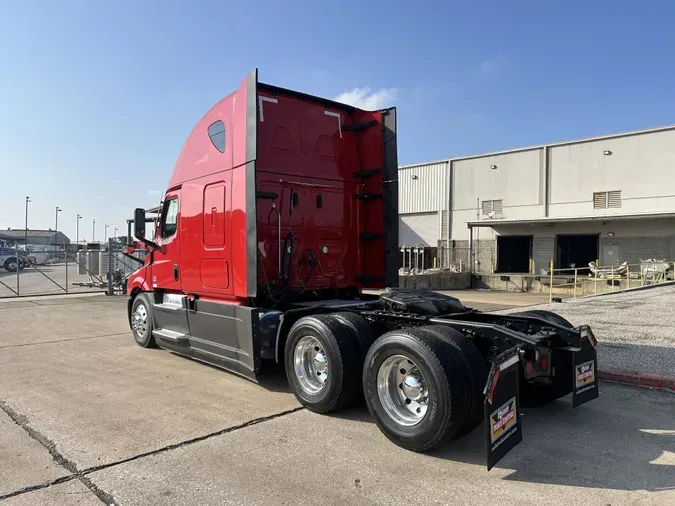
(491, 393)
(543, 363)
(529, 367)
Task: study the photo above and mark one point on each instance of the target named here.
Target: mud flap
(502, 407)
(585, 361)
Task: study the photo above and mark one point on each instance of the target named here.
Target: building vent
(614, 198)
(607, 200)
(492, 208)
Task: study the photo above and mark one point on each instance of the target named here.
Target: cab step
(170, 335)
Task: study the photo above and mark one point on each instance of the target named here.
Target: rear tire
(533, 395)
(475, 369)
(322, 363)
(364, 336)
(141, 321)
(546, 315)
(415, 388)
(361, 330)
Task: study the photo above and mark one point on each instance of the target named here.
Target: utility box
(88, 262)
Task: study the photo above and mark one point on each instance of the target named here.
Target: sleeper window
(217, 135)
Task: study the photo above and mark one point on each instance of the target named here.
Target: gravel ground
(635, 330)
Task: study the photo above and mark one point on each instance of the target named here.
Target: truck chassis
(430, 369)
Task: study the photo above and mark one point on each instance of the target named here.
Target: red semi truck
(281, 212)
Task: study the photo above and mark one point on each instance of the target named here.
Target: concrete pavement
(568, 457)
(87, 417)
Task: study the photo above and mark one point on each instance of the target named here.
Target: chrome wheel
(402, 390)
(139, 320)
(310, 364)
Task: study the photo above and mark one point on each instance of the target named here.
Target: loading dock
(576, 250)
(514, 253)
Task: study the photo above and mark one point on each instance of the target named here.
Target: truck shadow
(272, 377)
(625, 440)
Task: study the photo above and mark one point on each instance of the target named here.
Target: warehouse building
(34, 237)
(609, 199)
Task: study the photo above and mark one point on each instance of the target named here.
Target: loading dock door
(419, 228)
(576, 250)
(514, 253)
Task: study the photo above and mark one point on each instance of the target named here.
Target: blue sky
(97, 98)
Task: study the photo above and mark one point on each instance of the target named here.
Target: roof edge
(630, 133)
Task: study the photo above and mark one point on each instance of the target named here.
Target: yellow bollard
(550, 286)
(628, 274)
(612, 278)
(576, 272)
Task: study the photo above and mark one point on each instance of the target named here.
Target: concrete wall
(436, 281)
(554, 181)
(641, 166)
(543, 250)
(517, 181)
(419, 228)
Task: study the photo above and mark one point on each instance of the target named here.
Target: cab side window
(170, 220)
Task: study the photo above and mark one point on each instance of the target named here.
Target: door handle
(175, 272)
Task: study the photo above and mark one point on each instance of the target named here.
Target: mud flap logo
(502, 420)
(585, 376)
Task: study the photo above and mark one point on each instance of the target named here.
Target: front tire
(141, 321)
(415, 388)
(322, 363)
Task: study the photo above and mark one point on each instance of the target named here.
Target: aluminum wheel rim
(402, 390)
(140, 320)
(310, 364)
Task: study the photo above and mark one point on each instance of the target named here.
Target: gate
(64, 271)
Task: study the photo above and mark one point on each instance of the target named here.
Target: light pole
(105, 234)
(93, 230)
(25, 232)
(77, 232)
(56, 226)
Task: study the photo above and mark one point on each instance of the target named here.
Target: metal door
(610, 255)
(166, 272)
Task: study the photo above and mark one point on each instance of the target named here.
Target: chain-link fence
(65, 271)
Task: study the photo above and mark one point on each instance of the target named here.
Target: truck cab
(282, 209)
(277, 197)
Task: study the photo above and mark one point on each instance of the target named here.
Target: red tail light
(491, 393)
(529, 367)
(543, 364)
